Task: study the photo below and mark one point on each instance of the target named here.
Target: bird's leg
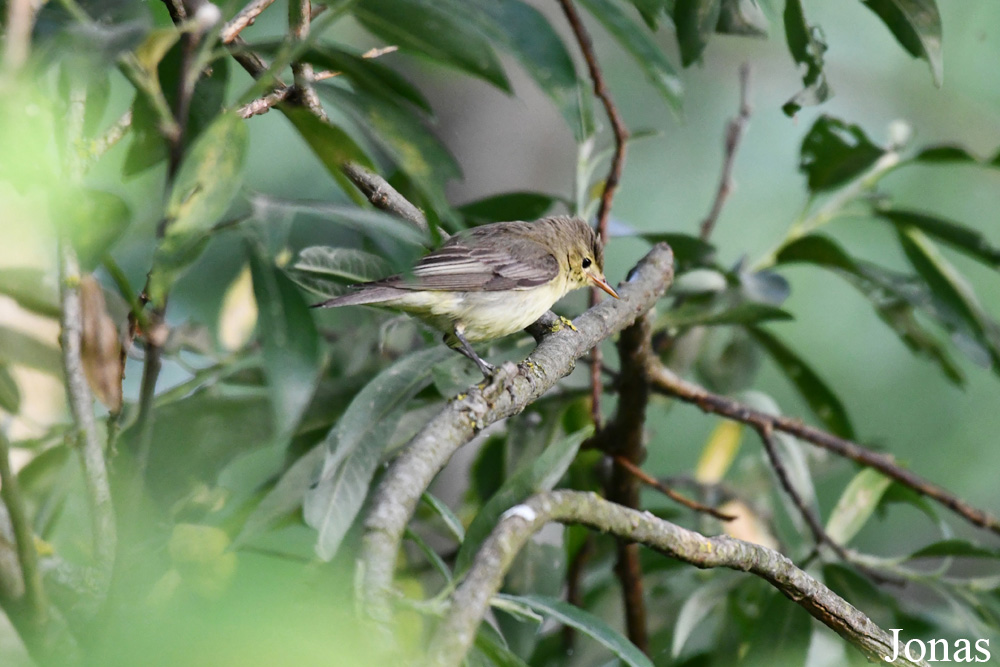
(456, 341)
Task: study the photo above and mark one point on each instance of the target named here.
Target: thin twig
(468, 604)
(574, 586)
(734, 135)
(299, 12)
(112, 136)
(27, 556)
(665, 381)
(621, 136)
(678, 498)
(243, 19)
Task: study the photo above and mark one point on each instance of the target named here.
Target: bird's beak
(603, 284)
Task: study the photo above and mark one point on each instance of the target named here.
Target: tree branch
(678, 498)
(27, 556)
(243, 19)
(665, 381)
(469, 602)
(734, 135)
(508, 393)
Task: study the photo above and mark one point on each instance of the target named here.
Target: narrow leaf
(284, 498)
(856, 505)
(354, 447)
(10, 395)
(960, 237)
(807, 46)
(636, 41)
(719, 453)
(585, 622)
(322, 269)
(691, 314)
(332, 145)
(450, 520)
(540, 474)
(916, 25)
(821, 399)
(955, 548)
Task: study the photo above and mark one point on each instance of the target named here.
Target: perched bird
(491, 281)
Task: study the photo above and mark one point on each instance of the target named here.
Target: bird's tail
(374, 294)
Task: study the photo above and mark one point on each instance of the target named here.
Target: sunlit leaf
(31, 288)
(916, 25)
(834, 152)
(636, 41)
(17, 347)
(238, 313)
(354, 447)
(719, 452)
(807, 46)
(585, 622)
(856, 505)
(821, 399)
(538, 474)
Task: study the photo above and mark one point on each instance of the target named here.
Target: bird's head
(585, 255)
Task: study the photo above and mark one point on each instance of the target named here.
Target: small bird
(491, 281)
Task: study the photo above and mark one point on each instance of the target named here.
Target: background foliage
(851, 281)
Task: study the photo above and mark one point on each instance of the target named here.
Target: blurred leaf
(695, 21)
(489, 470)
(742, 17)
(821, 399)
(528, 36)
(834, 152)
(446, 33)
(946, 153)
(508, 206)
(201, 555)
(100, 350)
(402, 136)
(238, 312)
(731, 365)
(956, 548)
(652, 11)
(206, 183)
(637, 42)
(537, 474)
(447, 516)
(780, 635)
(354, 447)
(719, 452)
(699, 281)
(17, 347)
(330, 144)
(688, 250)
(856, 504)
(345, 266)
(489, 643)
(961, 310)
(696, 607)
(960, 237)
(284, 498)
(916, 25)
(692, 314)
(769, 287)
(10, 395)
(94, 221)
(30, 289)
(894, 305)
(154, 48)
(289, 342)
(585, 622)
(807, 46)
(147, 147)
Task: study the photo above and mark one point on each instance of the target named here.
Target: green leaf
(959, 308)
(960, 237)
(401, 135)
(17, 347)
(694, 314)
(807, 46)
(689, 251)
(780, 635)
(354, 447)
(330, 144)
(652, 11)
(289, 342)
(946, 153)
(30, 288)
(894, 304)
(508, 206)
(528, 36)
(489, 644)
(637, 42)
(742, 17)
(585, 622)
(94, 221)
(856, 505)
(538, 474)
(834, 152)
(321, 269)
(821, 399)
(696, 607)
(916, 25)
(955, 548)
(695, 21)
(443, 32)
(206, 183)
(450, 520)
(10, 395)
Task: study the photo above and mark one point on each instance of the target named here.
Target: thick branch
(509, 393)
(471, 599)
(665, 381)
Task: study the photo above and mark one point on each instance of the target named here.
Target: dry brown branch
(663, 488)
(243, 19)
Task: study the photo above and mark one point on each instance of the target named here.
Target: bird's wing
(466, 264)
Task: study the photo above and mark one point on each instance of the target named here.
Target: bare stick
(665, 381)
(469, 602)
(678, 498)
(243, 19)
(734, 135)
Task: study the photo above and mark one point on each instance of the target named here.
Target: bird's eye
(586, 262)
